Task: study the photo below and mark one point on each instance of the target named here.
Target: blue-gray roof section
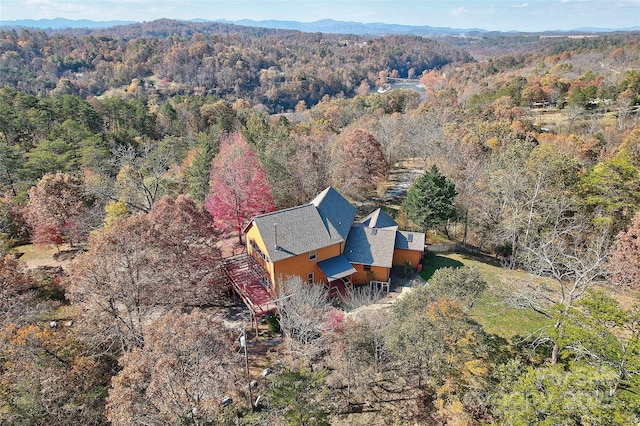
(370, 246)
(336, 267)
(379, 219)
(335, 210)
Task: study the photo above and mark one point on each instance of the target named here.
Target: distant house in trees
(320, 242)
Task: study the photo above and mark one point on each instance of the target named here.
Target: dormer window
(313, 255)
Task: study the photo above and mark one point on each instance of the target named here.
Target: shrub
(406, 269)
(273, 323)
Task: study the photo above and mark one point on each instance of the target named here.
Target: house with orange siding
(321, 242)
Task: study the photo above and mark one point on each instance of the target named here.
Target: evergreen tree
(429, 202)
(199, 172)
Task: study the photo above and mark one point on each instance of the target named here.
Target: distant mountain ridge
(358, 28)
(328, 26)
(62, 23)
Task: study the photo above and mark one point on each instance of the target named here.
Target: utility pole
(243, 343)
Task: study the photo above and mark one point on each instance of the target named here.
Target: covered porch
(338, 271)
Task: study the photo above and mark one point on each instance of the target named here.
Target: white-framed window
(311, 278)
(313, 255)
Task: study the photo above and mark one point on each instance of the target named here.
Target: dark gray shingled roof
(410, 240)
(335, 210)
(328, 220)
(379, 219)
(370, 246)
(323, 222)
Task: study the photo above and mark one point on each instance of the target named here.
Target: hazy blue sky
(504, 15)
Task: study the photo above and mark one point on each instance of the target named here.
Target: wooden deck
(250, 282)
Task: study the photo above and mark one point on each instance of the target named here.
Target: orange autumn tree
(239, 187)
(359, 163)
(141, 266)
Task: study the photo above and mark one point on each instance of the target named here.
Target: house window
(310, 278)
(313, 255)
(367, 267)
(257, 250)
(410, 238)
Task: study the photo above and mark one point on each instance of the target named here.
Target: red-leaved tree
(239, 187)
(624, 263)
(55, 210)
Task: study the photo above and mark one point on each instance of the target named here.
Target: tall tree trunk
(514, 248)
(554, 354)
(466, 226)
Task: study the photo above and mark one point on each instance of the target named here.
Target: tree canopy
(239, 188)
(55, 210)
(430, 200)
(142, 265)
(624, 263)
(537, 146)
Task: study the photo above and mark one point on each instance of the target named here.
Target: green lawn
(495, 315)
(506, 321)
(432, 262)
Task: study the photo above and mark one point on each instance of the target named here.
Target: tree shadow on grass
(482, 257)
(432, 262)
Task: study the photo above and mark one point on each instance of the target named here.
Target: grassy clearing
(506, 321)
(41, 255)
(495, 315)
(31, 252)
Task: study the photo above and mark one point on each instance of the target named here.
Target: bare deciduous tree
(302, 308)
(15, 299)
(572, 253)
(357, 297)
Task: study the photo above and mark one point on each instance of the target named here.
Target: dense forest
(120, 147)
(164, 58)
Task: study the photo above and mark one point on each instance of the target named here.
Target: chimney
(275, 236)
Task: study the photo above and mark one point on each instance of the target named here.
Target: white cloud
(459, 11)
(521, 5)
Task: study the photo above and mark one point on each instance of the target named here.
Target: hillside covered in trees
(276, 68)
(141, 148)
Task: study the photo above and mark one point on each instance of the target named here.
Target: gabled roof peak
(379, 219)
(335, 210)
(327, 193)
